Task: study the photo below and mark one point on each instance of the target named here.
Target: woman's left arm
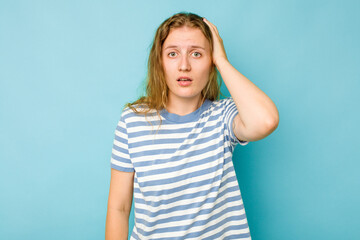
(258, 115)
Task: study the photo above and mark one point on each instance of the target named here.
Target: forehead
(186, 36)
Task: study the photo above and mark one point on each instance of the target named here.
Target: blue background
(68, 67)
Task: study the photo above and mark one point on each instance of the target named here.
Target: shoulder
(136, 110)
(137, 113)
(222, 103)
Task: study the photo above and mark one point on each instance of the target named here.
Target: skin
(119, 205)
(258, 115)
(257, 118)
(186, 53)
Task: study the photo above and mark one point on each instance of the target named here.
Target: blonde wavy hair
(156, 95)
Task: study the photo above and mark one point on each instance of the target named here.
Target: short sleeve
(120, 157)
(230, 112)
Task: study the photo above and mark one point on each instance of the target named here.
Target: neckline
(173, 117)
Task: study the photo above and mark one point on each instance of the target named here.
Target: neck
(183, 106)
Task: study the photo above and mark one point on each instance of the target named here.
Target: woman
(173, 147)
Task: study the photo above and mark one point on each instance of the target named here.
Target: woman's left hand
(219, 53)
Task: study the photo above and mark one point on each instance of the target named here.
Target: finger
(211, 26)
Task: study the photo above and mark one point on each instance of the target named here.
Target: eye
(196, 54)
(172, 54)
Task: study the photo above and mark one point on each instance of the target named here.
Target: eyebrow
(193, 46)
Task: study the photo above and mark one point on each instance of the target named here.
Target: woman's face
(187, 63)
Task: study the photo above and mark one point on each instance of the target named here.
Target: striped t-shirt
(185, 186)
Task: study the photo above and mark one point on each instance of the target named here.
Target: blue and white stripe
(185, 186)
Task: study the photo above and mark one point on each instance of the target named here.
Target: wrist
(221, 62)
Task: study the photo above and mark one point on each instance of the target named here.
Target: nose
(184, 64)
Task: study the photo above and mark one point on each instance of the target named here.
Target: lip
(184, 83)
(183, 77)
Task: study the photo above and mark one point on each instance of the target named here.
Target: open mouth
(183, 79)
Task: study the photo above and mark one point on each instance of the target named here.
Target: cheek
(166, 71)
(168, 67)
(206, 70)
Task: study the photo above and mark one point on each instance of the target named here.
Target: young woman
(173, 147)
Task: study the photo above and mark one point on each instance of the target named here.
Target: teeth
(184, 79)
